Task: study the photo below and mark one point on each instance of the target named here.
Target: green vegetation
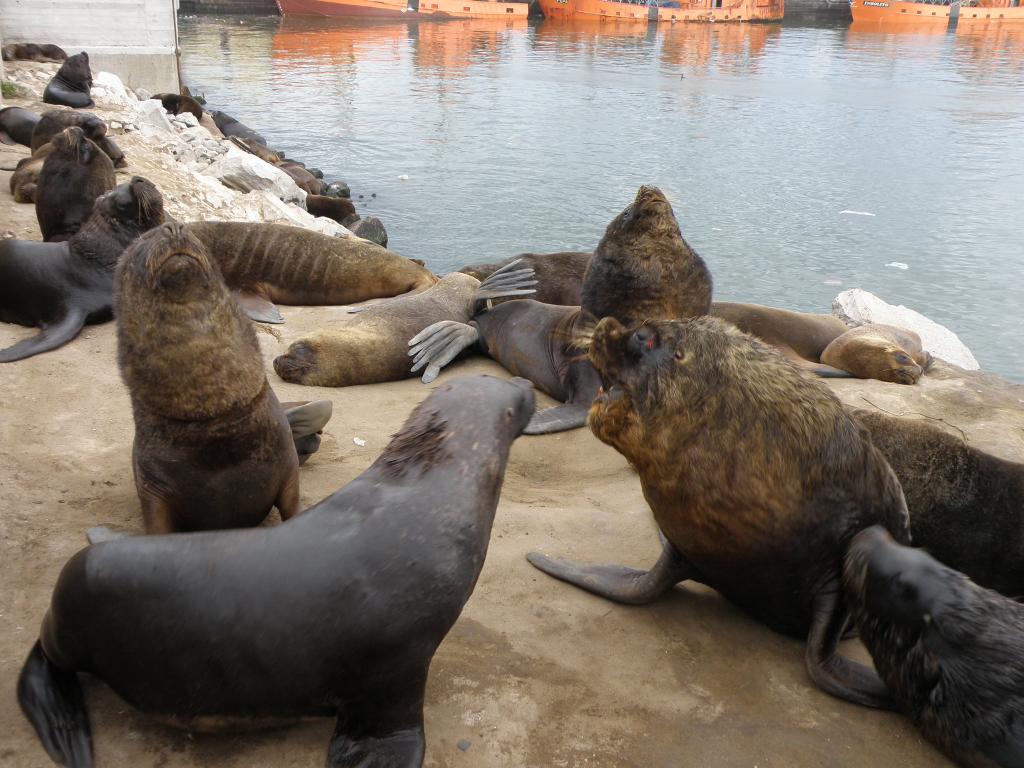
(8, 89)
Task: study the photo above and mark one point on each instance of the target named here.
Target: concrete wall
(230, 6)
(134, 39)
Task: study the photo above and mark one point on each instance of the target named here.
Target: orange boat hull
(399, 9)
(888, 11)
(990, 13)
(703, 10)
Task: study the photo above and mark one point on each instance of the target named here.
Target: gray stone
(371, 228)
(151, 114)
(247, 173)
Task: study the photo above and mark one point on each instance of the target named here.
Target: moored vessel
(889, 11)
(405, 9)
(668, 11)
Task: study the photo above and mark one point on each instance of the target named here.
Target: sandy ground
(535, 673)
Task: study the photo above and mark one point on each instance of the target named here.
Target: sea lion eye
(903, 359)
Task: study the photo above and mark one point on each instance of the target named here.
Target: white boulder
(108, 88)
(858, 307)
(151, 116)
(185, 120)
(247, 173)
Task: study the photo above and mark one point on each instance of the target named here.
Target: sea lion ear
(682, 356)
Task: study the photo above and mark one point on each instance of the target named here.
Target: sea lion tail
(52, 700)
(438, 344)
(507, 282)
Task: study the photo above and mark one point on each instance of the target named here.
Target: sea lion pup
(373, 346)
(176, 104)
(559, 275)
(337, 208)
(231, 127)
(882, 352)
(755, 474)
(60, 287)
(53, 121)
(268, 263)
(74, 174)
(72, 83)
(643, 269)
(951, 652)
(213, 448)
(966, 506)
(337, 612)
(16, 125)
(32, 52)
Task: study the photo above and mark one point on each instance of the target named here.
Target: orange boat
(965, 12)
(989, 11)
(668, 11)
(406, 9)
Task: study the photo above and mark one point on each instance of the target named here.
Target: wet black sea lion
(559, 275)
(966, 506)
(32, 52)
(231, 127)
(17, 124)
(335, 613)
(213, 448)
(53, 121)
(951, 652)
(270, 263)
(72, 84)
(882, 352)
(755, 474)
(74, 174)
(60, 287)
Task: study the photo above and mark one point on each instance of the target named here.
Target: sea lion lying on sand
(72, 84)
(559, 275)
(755, 474)
(882, 352)
(16, 125)
(951, 652)
(336, 613)
(73, 175)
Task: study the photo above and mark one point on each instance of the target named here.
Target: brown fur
(212, 445)
(643, 269)
(72, 84)
(559, 275)
(176, 104)
(54, 121)
(337, 208)
(880, 352)
(72, 177)
(25, 179)
(797, 335)
(261, 151)
(303, 178)
(33, 52)
(420, 444)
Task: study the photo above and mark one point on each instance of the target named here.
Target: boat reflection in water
(664, 11)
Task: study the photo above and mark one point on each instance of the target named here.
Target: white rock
(247, 173)
(857, 307)
(107, 87)
(151, 114)
(187, 119)
(329, 227)
(142, 94)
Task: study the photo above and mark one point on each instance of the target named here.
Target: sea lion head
(650, 213)
(75, 71)
(171, 263)
(137, 203)
(94, 128)
(73, 144)
(301, 363)
(875, 357)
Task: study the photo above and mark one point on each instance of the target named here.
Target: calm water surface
(532, 136)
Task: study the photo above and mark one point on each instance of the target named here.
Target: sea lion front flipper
(507, 282)
(831, 672)
(308, 418)
(438, 344)
(51, 337)
(558, 419)
(258, 308)
(618, 583)
(401, 749)
(824, 371)
(100, 533)
(52, 700)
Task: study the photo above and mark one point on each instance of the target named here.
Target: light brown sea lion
(261, 151)
(74, 174)
(643, 269)
(756, 475)
(53, 121)
(269, 263)
(800, 336)
(373, 347)
(882, 352)
(213, 448)
(72, 84)
(337, 208)
(559, 275)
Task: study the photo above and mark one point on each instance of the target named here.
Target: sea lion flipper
(438, 344)
(402, 749)
(826, 371)
(558, 419)
(5, 138)
(308, 418)
(831, 672)
(618, 583)
(49, 338)
(258, 308)
(52, 700)
(100, 533)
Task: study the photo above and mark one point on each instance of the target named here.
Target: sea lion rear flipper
(618, 583)
(438, 344)
(52, 700)
(831, 672)
(5, 138)
(826, 371)
(507, 282)
(258, 308)
(49, 338)
(400, 749)
(308, 418)
(558, 419)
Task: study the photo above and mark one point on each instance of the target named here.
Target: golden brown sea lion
(756, 475)
(882, 352)
(74, 174)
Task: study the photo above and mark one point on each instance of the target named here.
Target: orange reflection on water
(459, 43)
(733, 47)
(904, 27)
(992, 46)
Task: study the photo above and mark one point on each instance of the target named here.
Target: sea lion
(16, 125)
(755, 474)
(337, 208)
(60, 287)
(559, 275)
(643, 269)
(24, 181)
(176, 104)
(32, 52)
(303, 178)
(261, 151)
(370, 228)
(72, 83)
(213, 448)
(269, 263)
(337, 612)
(231, 127)
(373, 346)
(53, 121)
(951, 652)
(74, 174)
(966, 506)
(882, 352)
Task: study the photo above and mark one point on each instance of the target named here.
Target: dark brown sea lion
(951, 652)
(72, 83)
(337, 208)
(24, 181)
(882, 352)
(59, 287)
(559, 275)
(269, 263)
(176, 104)
(74, 174)
(373, 346)
(966, 506)
(756, 476)
(231, 127)
(32, 52)
(16, 125)
(336, 613)
(303, 178)
(643, 269)
(213, 448)
(53, 121)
